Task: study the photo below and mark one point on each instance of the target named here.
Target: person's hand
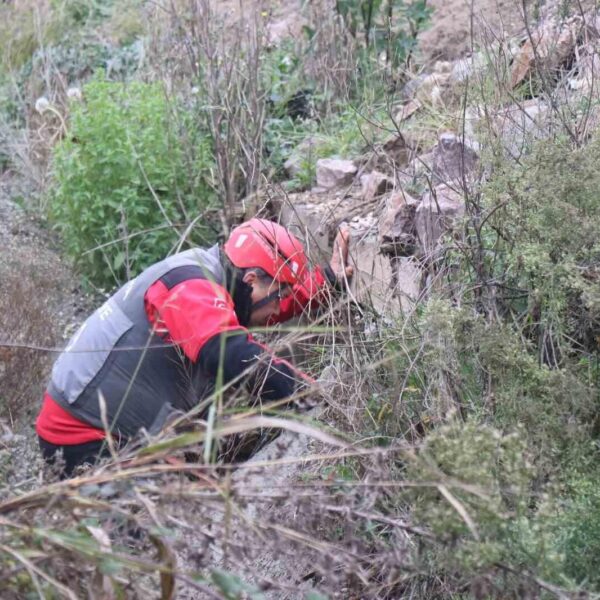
(339, 259)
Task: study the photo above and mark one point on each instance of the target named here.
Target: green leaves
(123, 189)
(390, 27)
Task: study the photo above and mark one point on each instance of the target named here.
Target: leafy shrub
(463, 363)
(477, 499)
(486, 476)
(125, 185)
(78, 60)
(539, 248)
(511, 343)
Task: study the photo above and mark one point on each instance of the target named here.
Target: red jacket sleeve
(190, 313)
(198, 315)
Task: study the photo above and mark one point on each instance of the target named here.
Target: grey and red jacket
(156, 346)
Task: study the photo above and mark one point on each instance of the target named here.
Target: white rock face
(514, 127)
(375, 184)
(437, 213)
(454, 161)
(467, 69)
(335, 172)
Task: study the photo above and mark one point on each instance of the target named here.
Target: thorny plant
(225, 64)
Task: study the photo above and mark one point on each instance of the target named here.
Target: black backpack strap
(179, 274)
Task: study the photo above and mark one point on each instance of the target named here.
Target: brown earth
(458, 26)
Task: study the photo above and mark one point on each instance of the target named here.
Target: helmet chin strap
(272, 296)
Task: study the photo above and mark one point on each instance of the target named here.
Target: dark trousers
(74, 456)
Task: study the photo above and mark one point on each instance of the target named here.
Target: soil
(41, 304)
(457, 26)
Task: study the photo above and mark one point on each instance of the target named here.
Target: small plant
(124, 189)
(389, 27)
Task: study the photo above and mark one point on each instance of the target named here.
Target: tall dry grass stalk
(222, 61)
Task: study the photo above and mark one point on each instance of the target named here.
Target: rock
(387, 283)
(454, 161)
(398, 149)
(408, 110)
(397, 234)
(409, 90)
(288, 27)
(375, 281)
(390, 156)
(310, 224)
(437, 213)
(335, 172)
(421, 166)
(467, 69)
(427, 90)
(592, 27)
(549, 46)
(517, 126)
(375, 184)
(293, 165)
(442, 66)
(588, 71)
(509, 127)
(421, 87)
(300, 156)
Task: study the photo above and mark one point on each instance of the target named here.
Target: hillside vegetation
(455, 449)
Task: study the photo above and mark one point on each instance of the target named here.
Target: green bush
(488, 521)
(485, 477)
(125, 185)
(487, 370)
(511, 344)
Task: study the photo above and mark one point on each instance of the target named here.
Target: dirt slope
(456, 25)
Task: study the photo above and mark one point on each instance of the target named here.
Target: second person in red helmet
(158, 345)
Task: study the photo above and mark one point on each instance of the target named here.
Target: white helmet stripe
(240, 241)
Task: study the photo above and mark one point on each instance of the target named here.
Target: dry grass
(25, 320)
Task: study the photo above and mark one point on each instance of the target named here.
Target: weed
(123, 192)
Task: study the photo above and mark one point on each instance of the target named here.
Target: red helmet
(269, 246)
